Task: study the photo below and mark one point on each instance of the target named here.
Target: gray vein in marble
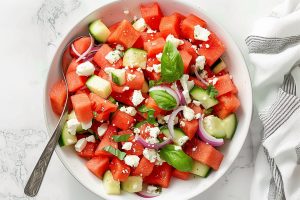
(16, 149)
(50, 12)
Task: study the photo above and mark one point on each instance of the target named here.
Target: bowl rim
(219, 27)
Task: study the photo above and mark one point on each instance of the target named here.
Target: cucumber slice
(66, 138)
(72, 115)
(135, 58)
(202, 95)
(111, 186)
(214, 126)
(179, 137)
(118, 76)
(218, 66)
(229, 125)
(200, 169)
(99, 86)
(133, 184)
(99, 31)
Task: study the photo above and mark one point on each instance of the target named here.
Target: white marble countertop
(30, 32)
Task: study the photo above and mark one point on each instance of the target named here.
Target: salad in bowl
(151, 100)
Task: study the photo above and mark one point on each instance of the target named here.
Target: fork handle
(34, 182)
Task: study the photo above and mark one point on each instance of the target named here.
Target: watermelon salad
(151, 99)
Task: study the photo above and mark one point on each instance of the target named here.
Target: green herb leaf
(171, 64)
(121, 138)
(116, 152)
(153, 83)
(150, 113)
(208, 111)
(212, 92)
(115, 79)
(176, 158)
(95, 114)
(163, 99)
(111, 100)
(139, 124)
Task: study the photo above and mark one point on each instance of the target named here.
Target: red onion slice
(199, 77)
(206, 137)
(168, 90)
(172, 118)
(179, 93)
(146, 195)
(87, 51)
(153, 146)
(84, 54)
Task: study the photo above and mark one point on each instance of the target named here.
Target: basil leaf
(176, 158)
(150, 113)
(153, 83)
(116, 152)
(121, 138)
(139, 124)
(115, 79)
(163, 99)
(171, 64)
(212, 92)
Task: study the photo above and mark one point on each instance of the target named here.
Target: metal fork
(34, 182)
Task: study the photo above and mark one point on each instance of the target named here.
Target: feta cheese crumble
(201, 33)
(137, 97)
(188, 113)
(129, 110)
(177, 148)
(200, 62)
(153, 132)
(113, 56)
(131, 77)
(102, 129)
(150, 154)
(72, 125)
(119, 47)
(109, 70)
(136, 130)
(183, 140)
(85, 69)
(91, 138)
(158, 57)
(87, 125)
(151, 189)
(157, 68)
(182, 123)
(197, 103)
(80, 145)
(140, 25)
(214, 80)
(207, 46)
(175, 41)
(198, 116)
(125, 88)
(127, 146)
(132, 160)
(149, 30)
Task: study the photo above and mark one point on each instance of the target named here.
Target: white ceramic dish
(113, 12)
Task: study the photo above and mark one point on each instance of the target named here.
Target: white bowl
(178, 189)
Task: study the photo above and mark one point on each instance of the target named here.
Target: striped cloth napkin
(274, 51)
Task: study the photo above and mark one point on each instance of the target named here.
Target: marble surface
(30, 33)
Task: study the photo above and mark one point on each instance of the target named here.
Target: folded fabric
(274, 51)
